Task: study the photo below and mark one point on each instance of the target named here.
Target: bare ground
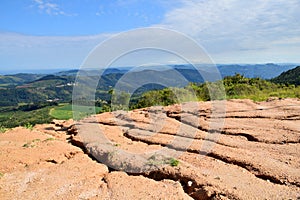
(251, 151)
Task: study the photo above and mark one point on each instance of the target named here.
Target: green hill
(236, 87)
(51, 81)
(289, 77)
(18, 79)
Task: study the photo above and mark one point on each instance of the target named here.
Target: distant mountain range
(264, 71)
(26, 88)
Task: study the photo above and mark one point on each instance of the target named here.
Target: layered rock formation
(237, 149)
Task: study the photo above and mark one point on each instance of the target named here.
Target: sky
(44, 34)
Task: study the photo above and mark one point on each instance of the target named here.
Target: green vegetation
(49, 139)
(17, 89)
(232, 87)
(174, 162)
(28, 126)
(31, 114)
(31, 144)
(1, 175)
(164, 97)
(289, 77)
(158, 160)
(65, 111)
(12, 117)
(18, 78)
(3, 129)
(26, 100)
(240, 87)
(28, 145)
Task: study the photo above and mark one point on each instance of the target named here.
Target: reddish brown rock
(254, 154)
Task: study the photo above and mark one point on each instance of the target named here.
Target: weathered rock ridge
(238, 149)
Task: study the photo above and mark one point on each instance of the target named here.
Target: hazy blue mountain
(264, 71)
(72, 72)
(23, 87)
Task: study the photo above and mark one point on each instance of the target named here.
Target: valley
(38, 98)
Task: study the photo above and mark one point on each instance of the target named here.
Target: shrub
(174, 162)
(3, 129)
(28, 126)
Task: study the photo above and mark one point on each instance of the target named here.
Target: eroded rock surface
(36, 165)
(250, 151)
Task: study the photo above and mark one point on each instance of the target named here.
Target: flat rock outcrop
(235, 149)
(36, 165)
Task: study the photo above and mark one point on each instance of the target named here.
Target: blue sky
(77, 17)
(40, 34)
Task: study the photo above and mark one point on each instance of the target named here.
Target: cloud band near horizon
(231, 31)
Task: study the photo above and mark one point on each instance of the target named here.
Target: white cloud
(45, 6)
(232, 31)
(223, 26)
(139, 47)
(24, 51)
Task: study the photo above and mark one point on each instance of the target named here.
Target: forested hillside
(29, 99)
(289, 77)
(234, 87)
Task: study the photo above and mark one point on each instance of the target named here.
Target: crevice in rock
(249, 137)
(243, 165)
(196, 138)
(80, 145)
(189, 185)
(106, 123)
(255, 171)
(248, 167)
(275, 180)
(51, 161)
(269, 108)
(263, 117)
(268, 178)
(178, 118)
(141, 140)
(167, 133)
(246, 135)
(199, 113)
(247, 117)
(291, 118)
